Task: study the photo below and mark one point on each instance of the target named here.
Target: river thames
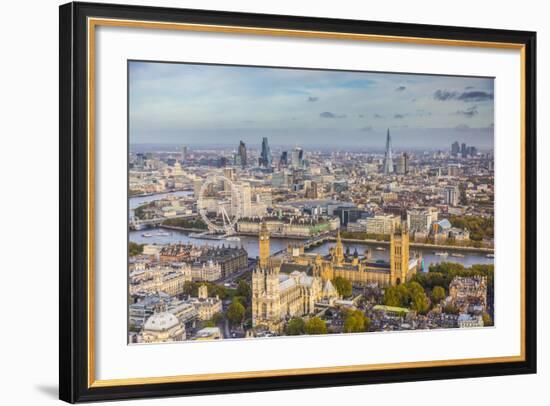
(250, 243)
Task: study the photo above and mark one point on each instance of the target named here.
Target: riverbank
(377, 242)
(185, 229)
(421, 245)
(160, 193)
(275, 235)
(250, 243)
(347, 240)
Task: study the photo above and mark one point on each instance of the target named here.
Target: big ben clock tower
(264, 245)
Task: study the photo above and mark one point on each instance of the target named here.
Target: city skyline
(270, 202)
(305, 107)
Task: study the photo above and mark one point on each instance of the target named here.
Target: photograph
(253, 201)
(268, 202)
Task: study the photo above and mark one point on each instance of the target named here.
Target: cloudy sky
(213, 104)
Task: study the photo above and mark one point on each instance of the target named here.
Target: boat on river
(441, 253)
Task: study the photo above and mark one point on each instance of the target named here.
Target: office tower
(140, 160)
(241, 200)
(222, 162)
(451, 195)
(183, 154)
(313, 190)
(280, 179)
(455, 148)
(242, 154)
(237, 160)
(265, 155)
(229, 173)
(388, 161)
(297, 157)
(284, 159)
(420, 220)
(402, 166)
(197, 184)
(406, 159)
(463, 150)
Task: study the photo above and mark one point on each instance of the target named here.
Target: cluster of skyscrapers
(265, 160)
(402, 165)
(463, 150)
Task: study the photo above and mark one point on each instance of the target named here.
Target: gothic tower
(338, 256)
(264, 246)
(258, 293)
(265, 286)
(399, 255)
(203, 292)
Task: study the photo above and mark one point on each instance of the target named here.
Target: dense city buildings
(309, 198)
(246, 231)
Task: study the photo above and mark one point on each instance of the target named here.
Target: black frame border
(73, 197)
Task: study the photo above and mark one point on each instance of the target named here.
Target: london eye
(218, 204)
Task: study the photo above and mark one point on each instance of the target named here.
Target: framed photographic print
(258, 202)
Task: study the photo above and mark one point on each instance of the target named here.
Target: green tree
(448, 270)
(296, 326)
(217, 318)
(194, 223)
(398, 296)
(134, 248)
(216, 290)
(242, 300)
(479, 227)
(191, 289)
(243, 289)
(391, 296)
(235, 312)
(438, 294)
(316, 326)
(343, 286)
(420, 302)
(450, 309)
(355, 322)
(418, 299)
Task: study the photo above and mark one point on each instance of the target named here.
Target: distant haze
(200, 105)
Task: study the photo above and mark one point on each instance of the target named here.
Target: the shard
(388, 160)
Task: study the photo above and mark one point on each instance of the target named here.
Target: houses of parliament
(277, 296)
